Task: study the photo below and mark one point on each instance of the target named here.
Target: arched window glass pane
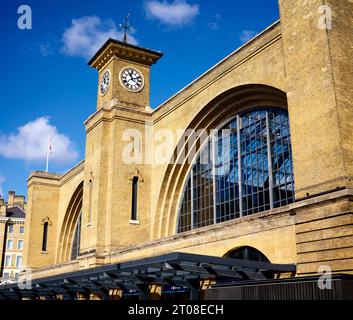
(202, 177)
(185, 210)
(246, 169)
(247, 253)
(254, 163)
(282, 160)
(76, 240)
(226, 173)
(251, 254)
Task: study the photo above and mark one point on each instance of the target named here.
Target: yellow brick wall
(43, 202)
(318, 77)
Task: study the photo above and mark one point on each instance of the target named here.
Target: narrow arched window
(90, 189)
(244, 168)
(135, 181)
(45, 236)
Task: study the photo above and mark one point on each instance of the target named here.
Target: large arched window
(69, 243)
(75, 250)
(244, 169)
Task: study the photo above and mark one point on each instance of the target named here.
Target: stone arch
(71, 218)
(47, 219)
(212, 115)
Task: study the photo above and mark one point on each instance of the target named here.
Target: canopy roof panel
(176, 269)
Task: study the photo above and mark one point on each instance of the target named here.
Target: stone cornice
(54, 179)
(124, 51)
(117, 111)
(42, 177)
(15, 220)
(73, 172)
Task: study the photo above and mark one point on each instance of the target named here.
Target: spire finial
(126, 27)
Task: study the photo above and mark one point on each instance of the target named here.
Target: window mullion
(192, 199)
(78, 235)
(213, 151)
(239, 168)
(269, 160)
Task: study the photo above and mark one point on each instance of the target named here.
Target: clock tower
(122, 108)
(124, 74)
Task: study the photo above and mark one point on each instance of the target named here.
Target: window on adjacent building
(22, 229)
(18, 261)
(20, 244)
(8, 260)
(10, 228)
(244, 168)
(6, 275)
(9, 244)
(45, 236)
(134, 198)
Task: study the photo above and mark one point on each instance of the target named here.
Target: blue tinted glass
(252, 171)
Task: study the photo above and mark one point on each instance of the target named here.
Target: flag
(50, 147)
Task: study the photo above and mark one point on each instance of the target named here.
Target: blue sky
(47, 88)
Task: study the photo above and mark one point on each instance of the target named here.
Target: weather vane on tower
(126, 27)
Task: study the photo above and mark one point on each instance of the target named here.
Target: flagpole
(48, 154)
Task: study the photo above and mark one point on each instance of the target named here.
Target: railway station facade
(252, 163)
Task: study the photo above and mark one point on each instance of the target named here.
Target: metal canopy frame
(174, 269)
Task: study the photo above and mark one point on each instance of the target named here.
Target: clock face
(104, 85)
(132, 79)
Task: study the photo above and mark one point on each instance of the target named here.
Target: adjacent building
(12, 231)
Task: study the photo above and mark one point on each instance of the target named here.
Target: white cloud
(30, 143)
(247, 35)
(87, 34)
(175, 14)
(2, 180)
